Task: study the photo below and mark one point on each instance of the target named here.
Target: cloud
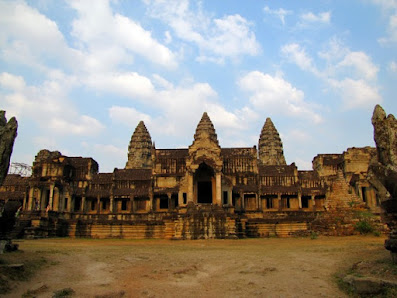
(30, 38)
(84, 125)
(216, 38)
(390, 9)
(393, 66)
(322, 17)
(352, 75)
(47, 104)
(275, 95)
(101, 33)
(361, 63)
(128, 116)
(297, 55)
(280, 13)
(356, 93)
(12, 82)
(128, 84)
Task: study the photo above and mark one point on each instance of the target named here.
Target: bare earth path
(293, 267)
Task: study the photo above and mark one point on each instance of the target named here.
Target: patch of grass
(364, 227)
(313, 235)
(66, 292)
(8, 275)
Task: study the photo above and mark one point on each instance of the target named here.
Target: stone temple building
(203, 191)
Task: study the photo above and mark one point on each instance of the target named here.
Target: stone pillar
(51, 197)
(300, 200)
(190, 187)
(111, 204)
(313, 203)
(169, 201)
(180, 198)
(230, 197)
(279, 201)
(218, 185)
(98, 207)
(259, 202)
(242, 200)
(31, 199)
(82, 208)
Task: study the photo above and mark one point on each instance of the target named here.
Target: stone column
(169, 201)
(51, 197)
(230, 197)
(300, 200)
(279, 201)
(190, 187)
(313, 203)
(98, 207)
(111, 206)
(31, 199)
(242, 200)
(218, 185)
(259, 202)
(82, 208)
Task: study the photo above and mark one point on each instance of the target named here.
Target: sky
(80, 75)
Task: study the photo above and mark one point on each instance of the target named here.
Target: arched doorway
(204, 177)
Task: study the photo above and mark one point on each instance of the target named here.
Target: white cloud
(30, 38)
(322, 17)
(84, 125)
(47, 104)
(12, 82)
(128, 116)
(227, 37)
(352, 75)
(356, 93)
(275, 95)
(104, 34)
(361, 63)
(129, 84)
(393, 66)
(298, 55)
(280, 13)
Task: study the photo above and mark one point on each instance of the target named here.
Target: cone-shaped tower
(205, 129)
(205, 147)
(270, 145)
(140, 149)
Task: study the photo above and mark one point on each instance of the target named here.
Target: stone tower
(8, 133)
(270, 145)
(140, 149)
(206, 129)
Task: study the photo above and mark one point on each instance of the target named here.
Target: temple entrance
(205, 180)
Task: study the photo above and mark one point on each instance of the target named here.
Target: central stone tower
(140, 149)
(204, 165)
(270, 146)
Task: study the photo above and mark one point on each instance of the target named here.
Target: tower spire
(270, 145)
(140, 149)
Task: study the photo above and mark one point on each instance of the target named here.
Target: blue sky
(80, 75)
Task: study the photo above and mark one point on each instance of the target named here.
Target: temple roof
(270, 145)
(205, 127)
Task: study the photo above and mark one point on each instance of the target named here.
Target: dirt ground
(274, 267)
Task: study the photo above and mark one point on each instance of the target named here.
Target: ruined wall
(8, 133)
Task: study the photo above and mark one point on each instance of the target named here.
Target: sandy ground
(293, 267)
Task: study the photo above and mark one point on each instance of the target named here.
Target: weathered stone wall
(8, 133)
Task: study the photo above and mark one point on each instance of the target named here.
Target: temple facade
(203, 191)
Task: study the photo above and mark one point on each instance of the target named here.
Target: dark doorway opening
(204, 195)
(204, 177)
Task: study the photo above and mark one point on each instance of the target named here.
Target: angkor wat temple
(203, 191)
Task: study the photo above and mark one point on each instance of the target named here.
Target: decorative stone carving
(270, 145)
(140, 149)
(8, 133)
(205, 147)
(383, 172)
